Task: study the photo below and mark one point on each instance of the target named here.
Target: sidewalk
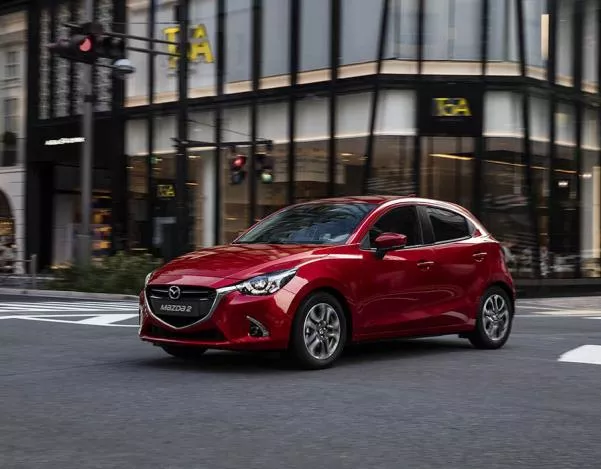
(526, 289)
(558, 287)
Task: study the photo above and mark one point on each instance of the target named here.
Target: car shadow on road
(273, 362)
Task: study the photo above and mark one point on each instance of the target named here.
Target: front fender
(315, 278)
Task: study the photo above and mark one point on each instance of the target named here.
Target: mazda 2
(313, 277)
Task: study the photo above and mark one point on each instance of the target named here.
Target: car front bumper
(236, 322)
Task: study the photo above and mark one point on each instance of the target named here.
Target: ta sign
(200, 46)
(451, 109)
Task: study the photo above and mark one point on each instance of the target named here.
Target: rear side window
(447, 225)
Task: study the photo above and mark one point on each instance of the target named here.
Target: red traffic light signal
(79, 48)
(237, 171)
(239, 162)
(86, 45)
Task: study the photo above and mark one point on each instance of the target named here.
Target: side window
(447, 225)
(401, 220)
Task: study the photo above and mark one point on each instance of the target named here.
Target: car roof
(391, 200)
(360, 199)
(383, 199)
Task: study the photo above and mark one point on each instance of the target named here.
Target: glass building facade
(492, 104)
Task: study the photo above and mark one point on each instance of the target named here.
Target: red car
(313, 277)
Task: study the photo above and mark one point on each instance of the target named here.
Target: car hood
(218, 266)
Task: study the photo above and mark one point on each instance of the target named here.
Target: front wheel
(186, 353)
(318, 332)
(494, 320)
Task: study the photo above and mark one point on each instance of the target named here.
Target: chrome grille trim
(219, 294)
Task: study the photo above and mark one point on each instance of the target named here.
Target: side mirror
(389, 242)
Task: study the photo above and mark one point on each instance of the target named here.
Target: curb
(66, 294)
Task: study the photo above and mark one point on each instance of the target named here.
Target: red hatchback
(313, 277)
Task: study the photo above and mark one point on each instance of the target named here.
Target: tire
(185, 353)
(495, 309)
(332, 330)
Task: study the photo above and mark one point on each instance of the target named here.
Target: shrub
(122, 273)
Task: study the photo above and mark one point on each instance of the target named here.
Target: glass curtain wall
(532, 195)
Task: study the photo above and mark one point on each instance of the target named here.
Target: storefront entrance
(7, 236)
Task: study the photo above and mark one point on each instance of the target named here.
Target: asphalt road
(86, 393)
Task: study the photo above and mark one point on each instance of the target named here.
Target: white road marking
(110, 320)
(107, 319)
(537, 307)
(572, 312)
(52, 306)
(588, 354)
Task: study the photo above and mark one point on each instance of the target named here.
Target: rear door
(396, 291)
(460, 266)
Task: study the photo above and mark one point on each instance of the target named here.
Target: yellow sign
(165, 191)
(451, 107)
(200, 46)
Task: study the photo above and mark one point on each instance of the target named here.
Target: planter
(9, 138)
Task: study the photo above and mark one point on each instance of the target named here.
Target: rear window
(448, 225)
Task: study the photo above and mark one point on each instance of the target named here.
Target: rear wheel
(318, 332)
(494, 320)
(186, 353)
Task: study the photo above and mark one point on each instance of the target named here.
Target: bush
(122, 273)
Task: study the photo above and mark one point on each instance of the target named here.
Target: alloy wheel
(495, 317)
(322, 331)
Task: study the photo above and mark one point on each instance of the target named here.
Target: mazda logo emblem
(174, 292)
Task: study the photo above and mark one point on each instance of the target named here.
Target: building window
(360, 30)
(276, 40)
(452, 30)
(564, 31)
(447, 169)
(315, 35)
(11, 114)
(11, 67)
(238, 41)
(591, 46)
(503, 32)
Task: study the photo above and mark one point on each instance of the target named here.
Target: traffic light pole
(181, 189)
(85, 234)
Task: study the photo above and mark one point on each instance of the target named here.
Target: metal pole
(34, 270)
(182, 154)
(84, 236)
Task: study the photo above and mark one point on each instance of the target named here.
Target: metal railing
(12, 276)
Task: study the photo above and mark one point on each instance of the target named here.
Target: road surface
(79, 390)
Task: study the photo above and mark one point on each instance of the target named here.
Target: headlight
(266, 284)
(147, 279)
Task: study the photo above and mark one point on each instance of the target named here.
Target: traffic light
(264, 168)
(237, 169)
(89, 42)
(78, 48)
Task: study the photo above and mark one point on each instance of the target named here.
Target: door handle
(479, 256)
(425, 265)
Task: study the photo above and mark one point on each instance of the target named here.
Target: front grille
(187, 293)
(198, 300)
(211, 335)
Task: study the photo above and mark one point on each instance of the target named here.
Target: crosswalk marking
(571, 313)
(82, 306)
(110, 319)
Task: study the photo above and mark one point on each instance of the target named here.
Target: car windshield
(330, 223)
